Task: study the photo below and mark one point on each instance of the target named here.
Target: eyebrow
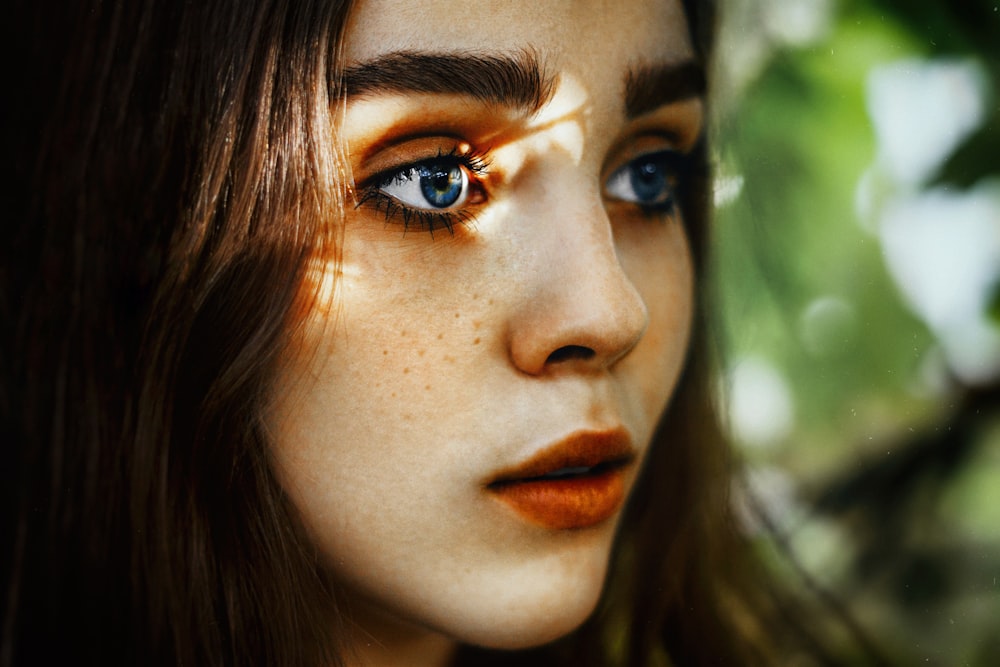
(516, 81)
(651, 86)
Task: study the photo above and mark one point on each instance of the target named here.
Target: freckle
(475, 342)
(491, 302)
(440, 336)
(406, 370)
(476, 324)
(456, 316)
(394, 394)
(450, 359)
(402, 334)
(421, 352)
(427, 387)
(475, 296)
(385, 351)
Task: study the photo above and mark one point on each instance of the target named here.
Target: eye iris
(441, 185)
(648, 180)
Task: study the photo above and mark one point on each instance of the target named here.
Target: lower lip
(562, 504)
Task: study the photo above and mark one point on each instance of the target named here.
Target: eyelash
(475, 163)
(476, 166)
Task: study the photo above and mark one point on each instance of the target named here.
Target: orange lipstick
(576, 483)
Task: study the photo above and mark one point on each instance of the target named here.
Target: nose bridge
(579, 307)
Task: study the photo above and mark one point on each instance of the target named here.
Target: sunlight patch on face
(564, 120)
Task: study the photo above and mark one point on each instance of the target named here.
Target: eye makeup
(431, 193)
(423, 172)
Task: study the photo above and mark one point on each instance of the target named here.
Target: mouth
(578, 482)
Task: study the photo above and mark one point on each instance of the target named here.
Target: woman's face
(478, 385)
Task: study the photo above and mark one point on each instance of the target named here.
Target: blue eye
(648, 181)
(437, 192)
(440, 183)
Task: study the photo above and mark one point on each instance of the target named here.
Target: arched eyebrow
(649, 87)
(517, 81)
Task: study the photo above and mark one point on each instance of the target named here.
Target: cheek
(371, 405)
(661, 268)
(358, 435)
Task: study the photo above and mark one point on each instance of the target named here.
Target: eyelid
(398, 152)
(635, 147)
(398, 155)
(382, 123)
(681, 123)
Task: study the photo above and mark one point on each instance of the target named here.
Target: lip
(577, 482)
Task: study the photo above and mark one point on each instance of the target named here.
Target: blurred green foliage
(886, 485)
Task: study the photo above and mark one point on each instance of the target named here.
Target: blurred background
(857, 306)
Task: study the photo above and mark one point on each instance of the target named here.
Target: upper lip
(583, 449)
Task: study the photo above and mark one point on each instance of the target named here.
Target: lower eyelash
(425, 220)
(663, 209)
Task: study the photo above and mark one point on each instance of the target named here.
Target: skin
(426, 363)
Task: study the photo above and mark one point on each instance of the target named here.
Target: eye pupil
(441, 185)
(648, 180)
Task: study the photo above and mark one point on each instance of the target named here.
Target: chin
(526, 628)
(530, 611)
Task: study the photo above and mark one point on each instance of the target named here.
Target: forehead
(584, 36)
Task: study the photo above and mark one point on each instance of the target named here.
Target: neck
(381, 640)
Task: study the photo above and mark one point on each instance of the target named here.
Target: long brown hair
(176, 169)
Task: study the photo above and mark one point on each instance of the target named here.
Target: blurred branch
(882, 494)
(975, 158)
(967, 27)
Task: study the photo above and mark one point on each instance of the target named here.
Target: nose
(579, 310)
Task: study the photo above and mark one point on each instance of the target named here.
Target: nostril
(568, 352)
